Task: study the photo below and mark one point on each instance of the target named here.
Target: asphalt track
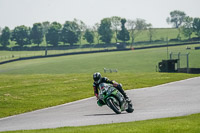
(173, 99)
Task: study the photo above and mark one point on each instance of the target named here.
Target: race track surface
(168, 100)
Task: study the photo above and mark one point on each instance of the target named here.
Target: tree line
(185, 24)
(72, 32)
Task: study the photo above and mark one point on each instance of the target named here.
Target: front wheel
(113, 105)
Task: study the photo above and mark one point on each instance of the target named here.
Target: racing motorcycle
(114, 99)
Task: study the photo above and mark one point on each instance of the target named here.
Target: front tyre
(113, 105)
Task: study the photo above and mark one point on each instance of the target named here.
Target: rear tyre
(114, 106)
(130, 108)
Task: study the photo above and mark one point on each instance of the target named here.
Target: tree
(123, 34)
(5, 36)
(187, 28)
(82, 27)
(53, 34)
(70, 32)
(151, 32)
(0, 31)
(105, 30)
(176, 18)
(89, 36)
(95, 31)
(37, 33)
(196, 26)
(45, 27)
(131, 26)
(116, 22)
(21, 34)
(136, 27)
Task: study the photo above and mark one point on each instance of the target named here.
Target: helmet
(97, 77)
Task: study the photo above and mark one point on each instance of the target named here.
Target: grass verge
(24, 93)
(185, 124)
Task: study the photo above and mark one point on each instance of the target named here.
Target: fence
(110, 70)
(183, 60)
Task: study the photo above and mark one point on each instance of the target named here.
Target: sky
(27, 12)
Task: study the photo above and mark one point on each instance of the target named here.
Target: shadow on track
(105, 114)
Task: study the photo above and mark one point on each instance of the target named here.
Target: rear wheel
(130, 108)
(114, 106)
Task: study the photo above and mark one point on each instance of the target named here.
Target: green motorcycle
(110, 96)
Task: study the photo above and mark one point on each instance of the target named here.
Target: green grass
(161, 34)
(184, 124)
(23, 93)
(125, 61)
(8, 55)
(18, 54)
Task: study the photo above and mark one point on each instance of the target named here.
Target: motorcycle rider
(98, 80)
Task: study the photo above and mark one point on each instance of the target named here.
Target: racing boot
(119, 87)
(100, 102)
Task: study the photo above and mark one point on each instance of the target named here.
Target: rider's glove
(115, 84)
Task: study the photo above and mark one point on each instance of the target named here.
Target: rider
(98, 79)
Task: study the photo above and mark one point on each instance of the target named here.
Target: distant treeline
(110, 30)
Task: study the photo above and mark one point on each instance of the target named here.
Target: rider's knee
(100, 102)
(119, 86)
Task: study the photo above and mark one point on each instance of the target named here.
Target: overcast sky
(27, 12)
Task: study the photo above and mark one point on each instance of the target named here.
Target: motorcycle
(114, 99)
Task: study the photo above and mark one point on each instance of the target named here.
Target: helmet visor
(97, 81)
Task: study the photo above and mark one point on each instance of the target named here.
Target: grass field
(185, 124)
(8, 55)
(128, 61)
